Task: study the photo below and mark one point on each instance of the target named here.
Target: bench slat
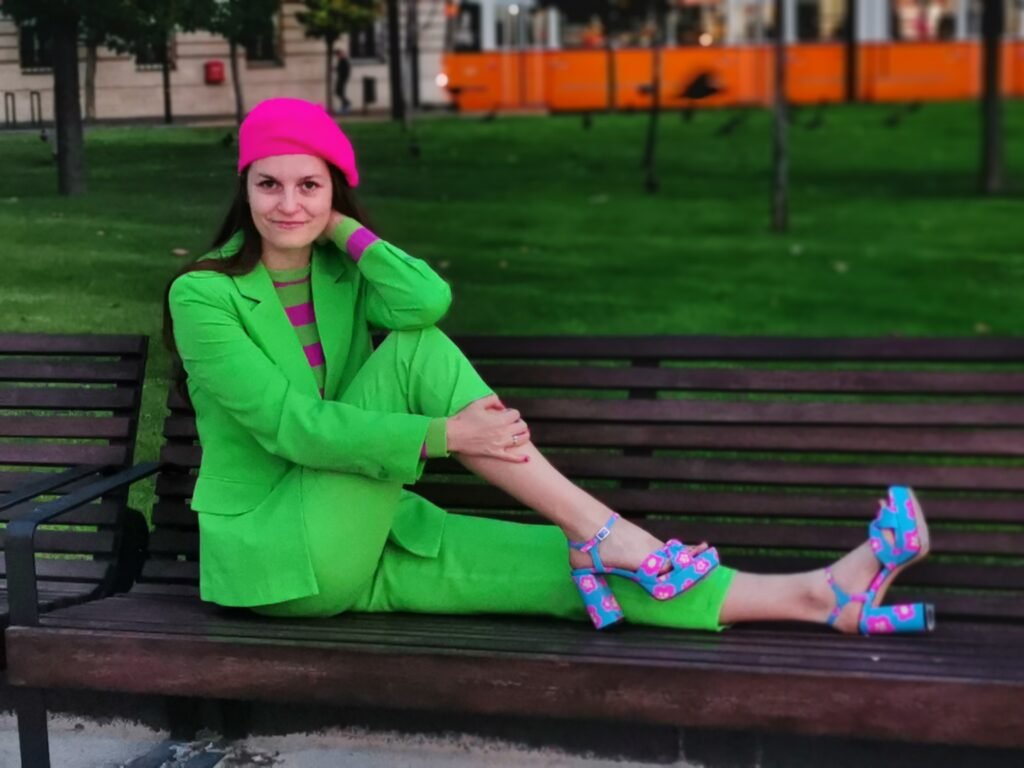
(685, 502)
(93, 371)
(738, 380)
(743, 348)
(115, 428)
(69, 398)
(71, 344)
(706, 411)
(928, 440)
(441, 679)
(71, 542)
(66, 570)
(62, 454)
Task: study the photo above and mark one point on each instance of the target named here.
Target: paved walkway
(78, 743)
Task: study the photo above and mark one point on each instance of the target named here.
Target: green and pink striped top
(296, 293)
(295, 289)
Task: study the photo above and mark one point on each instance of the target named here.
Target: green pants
(483, 565)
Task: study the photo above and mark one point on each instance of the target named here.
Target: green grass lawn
(543, 227)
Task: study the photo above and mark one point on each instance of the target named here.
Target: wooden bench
(69, 413)
(773, 449)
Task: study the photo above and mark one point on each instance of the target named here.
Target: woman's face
(290, 199)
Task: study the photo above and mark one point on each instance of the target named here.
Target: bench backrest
(68, 401)
(774, 449)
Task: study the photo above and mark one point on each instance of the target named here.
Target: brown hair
(239, 219)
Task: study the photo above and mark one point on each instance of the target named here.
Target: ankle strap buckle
(603, 533)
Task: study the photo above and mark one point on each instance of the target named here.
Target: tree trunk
(652, 123)
(91, 57)
(413, 37)
(70, 144)
(328, 72)
(991, 100)
(165, 71)
(852, 12)
(237, 82)
(780, 153)
(395, 63)
(609, 53)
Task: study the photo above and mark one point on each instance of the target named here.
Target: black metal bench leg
(32, 734)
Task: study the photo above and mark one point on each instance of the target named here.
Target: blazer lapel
(271, 329)
(333, 311)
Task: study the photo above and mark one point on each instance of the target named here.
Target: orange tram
(509, 73)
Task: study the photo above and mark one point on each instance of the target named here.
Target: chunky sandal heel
(685, 570)
(901, 515)
(601, 605)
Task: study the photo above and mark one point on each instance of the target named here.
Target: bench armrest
(21, 558)
(48, 484)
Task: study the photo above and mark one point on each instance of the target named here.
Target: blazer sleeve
(222, 360)
(402, 292)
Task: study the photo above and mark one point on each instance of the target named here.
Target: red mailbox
(214, 72)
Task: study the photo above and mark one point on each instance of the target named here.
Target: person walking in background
(344, 69)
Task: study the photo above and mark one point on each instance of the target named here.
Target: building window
(363, 42)
(265, 47)
(150, 53)
(35, 47)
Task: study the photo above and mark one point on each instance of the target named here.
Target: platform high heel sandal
(902, 516)
(685, 571)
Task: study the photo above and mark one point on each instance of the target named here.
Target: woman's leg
(496, 566)
(424, 372)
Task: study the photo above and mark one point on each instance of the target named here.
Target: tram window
(819, 20)
(917, 20)
(466, 28)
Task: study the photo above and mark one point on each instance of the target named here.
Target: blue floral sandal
(902, 516)
(685, 571)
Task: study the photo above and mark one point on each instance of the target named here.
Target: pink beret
(294, 127)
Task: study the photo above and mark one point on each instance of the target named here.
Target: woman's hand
(332, 224)
(486, 428)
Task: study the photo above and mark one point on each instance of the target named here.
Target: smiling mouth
(290, 224)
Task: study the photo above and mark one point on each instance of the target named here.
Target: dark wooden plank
(172, 483)
(117, 427)
(686, 502)
(62, 454)
(829, 439)
(933, 572)
(750, 472)
(103, 513)
(752, 348)
(158, 570)
(705, 411)
(957, 441)
(71, 542)
(69, 398)
(15, 479)
(66, 570)
(884, 706)
(63, 371)
(186, 456)
(72, 344)
(819, 647)
(752, 380)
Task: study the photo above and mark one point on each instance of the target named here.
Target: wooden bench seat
(69, 413)
(775, 450)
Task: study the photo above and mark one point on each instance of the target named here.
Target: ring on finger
(515, 439)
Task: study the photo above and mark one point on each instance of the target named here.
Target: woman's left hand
(332, 224)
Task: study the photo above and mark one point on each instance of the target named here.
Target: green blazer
(265, 430)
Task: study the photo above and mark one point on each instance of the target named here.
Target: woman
(308, 436)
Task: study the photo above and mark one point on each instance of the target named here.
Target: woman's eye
(266, 184)
(309, 186)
